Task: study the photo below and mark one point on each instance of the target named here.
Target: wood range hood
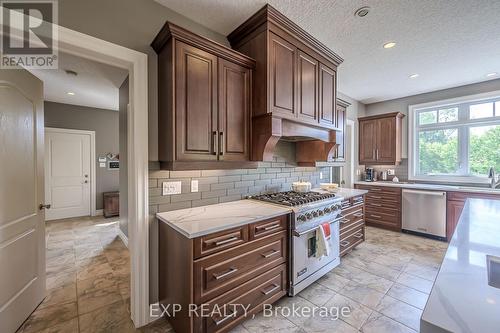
(294, 91)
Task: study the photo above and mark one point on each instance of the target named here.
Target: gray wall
(105, 125)
(133, 24)
(122, 138)
(401, 104)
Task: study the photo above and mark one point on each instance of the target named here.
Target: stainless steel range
(310, 210)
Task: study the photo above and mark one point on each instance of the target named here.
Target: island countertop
(461, 299)
(200, 221)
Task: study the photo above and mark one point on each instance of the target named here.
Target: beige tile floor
(384, 282)
(88, 280)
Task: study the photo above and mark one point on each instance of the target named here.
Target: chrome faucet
(494, 182)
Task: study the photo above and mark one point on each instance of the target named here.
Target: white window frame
(412, 136)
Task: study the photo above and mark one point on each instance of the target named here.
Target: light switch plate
(194, 185)
(169, 188)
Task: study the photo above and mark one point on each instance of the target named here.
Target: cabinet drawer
(219, 241)
(346, 221)
(263, 289)
(218, 273)
(382, 204)
(267, 227)
(382, 214)
(346, 232)
(354, 238)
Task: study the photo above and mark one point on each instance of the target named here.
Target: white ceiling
(96, 84)
(448, 43)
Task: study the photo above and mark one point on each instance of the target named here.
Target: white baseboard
(98, 212)
(122, 236)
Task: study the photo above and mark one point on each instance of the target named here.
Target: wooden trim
(208, 165)
(384, 115)
(270, 14)
(170, 30)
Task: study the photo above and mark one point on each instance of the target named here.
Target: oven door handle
(298, 234)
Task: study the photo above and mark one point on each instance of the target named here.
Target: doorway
(69, 173)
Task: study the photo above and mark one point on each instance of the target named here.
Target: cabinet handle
(376, 216)
(376, 205)
(344, 221)
(358, 235)
(225, 241)
(214, 143)
(269, 254)
(269, 227)
(345, 243)
(231, 315)
(232, 270)
(221, 143)
(359, 215)
(375, 197)
(273, 289)
(377, 154)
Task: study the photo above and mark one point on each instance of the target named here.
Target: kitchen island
(462, 298)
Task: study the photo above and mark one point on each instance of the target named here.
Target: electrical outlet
(194, 185)
(390, 172)
(171, 188)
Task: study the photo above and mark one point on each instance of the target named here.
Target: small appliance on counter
(370, 175)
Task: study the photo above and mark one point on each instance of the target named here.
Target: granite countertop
(204, 220)
(461, 299)
(437, 187)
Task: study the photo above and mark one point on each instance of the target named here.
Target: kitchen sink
(493, 264)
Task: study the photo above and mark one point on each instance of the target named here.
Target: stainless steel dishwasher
(424, 213)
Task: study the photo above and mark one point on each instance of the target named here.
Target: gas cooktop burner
(291, 198)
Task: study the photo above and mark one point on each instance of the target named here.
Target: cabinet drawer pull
(344, 221)
(225, 241)
(376, 216)
(374, 204)
(214, 143)
(269, 227)
(359, 215)
(269, 254)
(375, 197)
(345, 243)
(232, 270)
(375, 189)
(273, 289)
(358, 235)
(231, 315)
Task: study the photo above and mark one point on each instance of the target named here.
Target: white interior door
(22, 226)
(67, 173)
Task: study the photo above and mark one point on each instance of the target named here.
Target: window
(455, 140)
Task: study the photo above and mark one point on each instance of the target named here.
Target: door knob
(86, 181)
(43, 206)
(86, 176)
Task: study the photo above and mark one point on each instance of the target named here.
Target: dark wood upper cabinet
(195, 103)
(282, 85)
(307, 86)
(380, 139)
(341, 119)
(234, 111)
(327, 96)
(204, 102)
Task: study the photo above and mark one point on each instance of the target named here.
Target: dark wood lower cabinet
(246, 265)
(382, 206)
(352, 224)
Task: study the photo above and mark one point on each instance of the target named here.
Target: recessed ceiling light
(362, 12)
(414, 76)
(389, 45)
(70, 93)
(492, 74)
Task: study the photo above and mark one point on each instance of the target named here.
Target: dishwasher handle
(435, 193)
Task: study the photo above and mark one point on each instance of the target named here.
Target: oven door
(305, 261)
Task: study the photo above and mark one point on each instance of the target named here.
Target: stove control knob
(301, 218)
(320, 212)
(315, 213)
(327, 210)
(339, 206)
(309, 216)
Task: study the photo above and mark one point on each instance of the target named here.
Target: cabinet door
(234, 111)
(386, 140)
(367, 141)
(307, 88)
(453, 212)
(340, 135)
(196, 103)
(327, 96)
(282, 81)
